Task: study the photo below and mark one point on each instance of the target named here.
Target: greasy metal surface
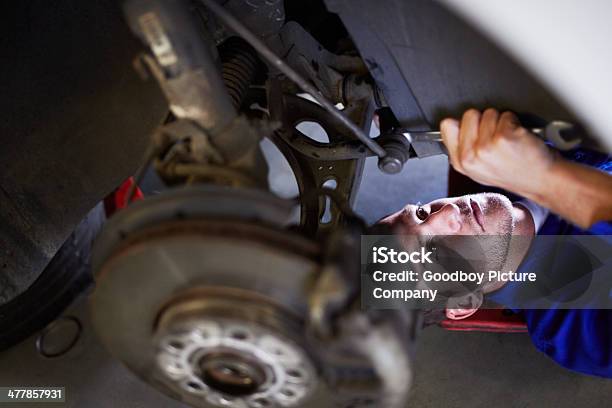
(76, 119)
(429, 63)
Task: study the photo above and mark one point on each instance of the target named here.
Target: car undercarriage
(213, 291)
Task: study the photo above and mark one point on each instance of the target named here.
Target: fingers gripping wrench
(553, 132)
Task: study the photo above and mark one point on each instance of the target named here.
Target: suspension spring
(240, 66)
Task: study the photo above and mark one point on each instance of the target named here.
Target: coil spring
(240, 66)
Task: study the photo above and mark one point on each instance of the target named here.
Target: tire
(67, 276)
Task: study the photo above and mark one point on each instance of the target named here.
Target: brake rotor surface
(201, 293)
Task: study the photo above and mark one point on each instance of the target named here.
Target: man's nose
(446, 220)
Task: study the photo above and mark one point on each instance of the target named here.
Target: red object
(118, 199)
(488, 320)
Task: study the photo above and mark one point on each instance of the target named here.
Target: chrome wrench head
(553, 133)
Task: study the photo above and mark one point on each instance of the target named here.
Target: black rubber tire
(67, 276)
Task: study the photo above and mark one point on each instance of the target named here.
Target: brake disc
(210, 311)
(205, 294)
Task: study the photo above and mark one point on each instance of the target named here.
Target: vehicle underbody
(208, 291)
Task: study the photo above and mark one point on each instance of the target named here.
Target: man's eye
(421, 213)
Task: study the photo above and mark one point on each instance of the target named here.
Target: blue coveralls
(577, 339)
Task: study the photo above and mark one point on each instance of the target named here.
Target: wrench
(552, 132)
(397, 153)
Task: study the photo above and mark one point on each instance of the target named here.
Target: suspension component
(273, 59)
(240, 65)
(182, 62)
(186, 66)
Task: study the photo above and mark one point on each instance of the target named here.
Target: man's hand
(494, 149)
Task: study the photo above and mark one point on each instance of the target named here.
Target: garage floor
(452, 369)
(497, 370)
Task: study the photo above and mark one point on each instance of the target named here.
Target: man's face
(478, 214)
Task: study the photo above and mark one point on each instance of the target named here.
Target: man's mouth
(478, 215)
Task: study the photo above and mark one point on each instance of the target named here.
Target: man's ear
(461, 307)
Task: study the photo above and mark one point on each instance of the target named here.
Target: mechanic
(495, 150)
